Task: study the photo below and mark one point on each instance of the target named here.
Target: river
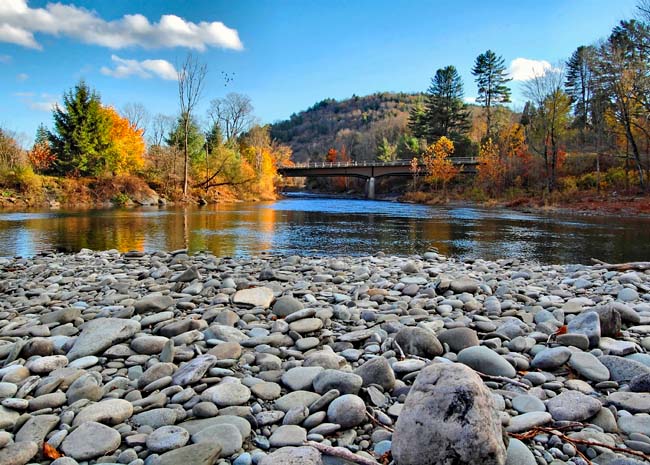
(307, 225)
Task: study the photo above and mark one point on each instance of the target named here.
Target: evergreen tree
(579, 85)
(81, 133)
(42, 135)
(195, 139)
(445, 113)
(490, 72)
(417, 123)
(214, 137)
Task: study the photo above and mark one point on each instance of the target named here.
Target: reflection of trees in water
(237, 229)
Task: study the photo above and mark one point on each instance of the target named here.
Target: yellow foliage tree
(491, 168)
(439, 166)
(126, 153)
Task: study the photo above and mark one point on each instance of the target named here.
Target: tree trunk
(185, 157)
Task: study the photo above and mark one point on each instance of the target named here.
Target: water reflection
(327, 226)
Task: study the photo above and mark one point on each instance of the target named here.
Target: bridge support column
(370, 188)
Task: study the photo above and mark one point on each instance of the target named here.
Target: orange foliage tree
(126, 152)
(41, 157)
(491, 167)
(438, 164)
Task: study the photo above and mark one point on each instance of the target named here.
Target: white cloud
(22, 77)
(469, 99)
(144, 69)
(46, 106)
(523, 69)
(19, 22)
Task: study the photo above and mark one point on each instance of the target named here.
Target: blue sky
(286, 55)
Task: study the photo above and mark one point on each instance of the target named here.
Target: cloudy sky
(285, 54)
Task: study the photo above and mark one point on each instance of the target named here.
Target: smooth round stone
(47, 364)
(348, 411)
(633, 402)
(288, 435)
(296, 399)
(111, 411)
(225, 435)
(84, 362)
(550, 359)
(526, 403)
(167, 438)
(459, 338)
(306, 325)
(307, 343)
(485, 360)
(627, 295)
(7, 390)
(342, 381)
(91, 440)
(149, 345)
(243, 459)
(588, 366)
(286, 305)
(573, 406)
(519, 454)
(408, 366)
(301, 378)
(266, 390)
(230, 393)
(293, 456)
(527, 421)
(18, 453)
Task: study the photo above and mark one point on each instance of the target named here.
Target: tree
(417, 123)
(491, 168)
(138, 115)
(386, 151)
(234, 114)
(11, 156)
(126, 152)
(191, 77)
(490, 72)
(445, 113)
(549, 119)
(579, 86)
(81, 132)
(438, 163)
(187, 137)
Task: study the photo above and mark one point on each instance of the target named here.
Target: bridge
(368, 170)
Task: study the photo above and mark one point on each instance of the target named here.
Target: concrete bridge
(368, 170)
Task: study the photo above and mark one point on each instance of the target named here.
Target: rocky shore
(166, 359)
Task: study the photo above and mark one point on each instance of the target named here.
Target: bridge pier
(370, 188)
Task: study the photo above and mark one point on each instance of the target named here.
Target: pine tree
(195, 139)
(214, 137)
(81, 132)
(490, 72)
(42, 135)
(579, 85)
(417, 123)
(445, 113)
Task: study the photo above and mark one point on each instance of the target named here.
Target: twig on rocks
(503, 379)
(379, 423)
(399, 350)
(540, 429)
(640, 266)
(341, 453)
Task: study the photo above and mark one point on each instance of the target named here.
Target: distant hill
(356, 125)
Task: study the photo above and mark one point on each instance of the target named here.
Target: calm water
(308, 225)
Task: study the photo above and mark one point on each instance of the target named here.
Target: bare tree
(191, 77)
(234, 114)
(137, 114)
(160, 127)
(550, 118)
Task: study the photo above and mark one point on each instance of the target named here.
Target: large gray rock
(623, 368)
(377, 371)
(293, 456)
(91, 440)
(588, 366)
(36, 428)
(348, 411)
(286, 305)
(111, 412)
(485, 360)
(193, 371)
(573, 406)
(99, 334)
(155, 302)
(587, 323)
(419, 341)
(18, 453)
(204, 453)
(254, 297)
(459, 338)
(519, 453)
(448, 418)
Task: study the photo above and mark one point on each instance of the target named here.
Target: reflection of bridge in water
(368, 170)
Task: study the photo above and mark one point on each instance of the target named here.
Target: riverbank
(167, 358)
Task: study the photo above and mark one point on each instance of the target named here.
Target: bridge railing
(363, 163)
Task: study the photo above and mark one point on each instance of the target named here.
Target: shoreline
(166, 357)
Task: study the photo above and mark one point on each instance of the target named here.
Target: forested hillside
(357, 127)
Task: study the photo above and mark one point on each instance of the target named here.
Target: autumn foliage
(439, 166)
(127, 148)
(41, 157)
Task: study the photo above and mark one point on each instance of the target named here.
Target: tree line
(176, 155)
